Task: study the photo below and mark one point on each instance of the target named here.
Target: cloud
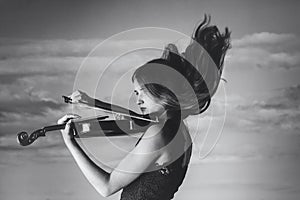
(264, 38)
(9, 143)
(265, 50)
(28, 110)
(51, 65)
(33, 76)
(48, 149)
(281, 111)
(258, 105)
(39, 72)
(29, 106)
(283, 99)
(18, 48)
(13, 78)
(292, 94)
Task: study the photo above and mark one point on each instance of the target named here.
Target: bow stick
(106, 108)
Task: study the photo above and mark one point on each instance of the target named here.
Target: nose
(139, 101)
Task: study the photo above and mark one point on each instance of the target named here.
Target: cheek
(153, 102)
(148, 100)
(156, 103)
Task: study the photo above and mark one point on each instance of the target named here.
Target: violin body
(108, 128)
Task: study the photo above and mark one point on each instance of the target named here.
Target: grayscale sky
(43, 43)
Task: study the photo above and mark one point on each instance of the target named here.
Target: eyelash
(136, 93)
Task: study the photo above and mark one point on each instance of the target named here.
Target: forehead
(137, 85)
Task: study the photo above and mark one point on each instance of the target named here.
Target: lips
(143, 109)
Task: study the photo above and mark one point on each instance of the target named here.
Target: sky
(254, 114)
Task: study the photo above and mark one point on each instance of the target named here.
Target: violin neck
(54, 127)
(62, 126)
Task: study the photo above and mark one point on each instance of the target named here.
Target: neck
(164, 115)
(159, 116)
(169, 114)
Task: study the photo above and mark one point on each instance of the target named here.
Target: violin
(129, 123)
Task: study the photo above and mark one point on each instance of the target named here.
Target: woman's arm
(135, 163)
(79, 96)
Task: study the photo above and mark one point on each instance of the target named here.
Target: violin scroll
(24, 139)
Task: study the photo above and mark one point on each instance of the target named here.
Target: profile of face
(145, 101)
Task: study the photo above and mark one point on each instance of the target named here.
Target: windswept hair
(187, 81)
(215, 43)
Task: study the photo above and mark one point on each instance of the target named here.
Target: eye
(135, 92)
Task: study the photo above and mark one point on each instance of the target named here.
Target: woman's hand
(80, 97)
(68, 133)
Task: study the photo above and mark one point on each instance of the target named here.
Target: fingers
(75, 96)
(68, 126)
(81, 92)
(78, 96)
(67, 118)
(68, 132)
(77, 93)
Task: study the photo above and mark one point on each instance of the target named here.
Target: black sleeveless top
(160, 184)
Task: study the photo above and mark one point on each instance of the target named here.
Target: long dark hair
(180, 81)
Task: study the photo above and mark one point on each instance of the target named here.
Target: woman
(171, 88)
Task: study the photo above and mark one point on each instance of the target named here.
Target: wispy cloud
(265, 38)
(265, 50)
(261, 127)
(13, 78)
(33, 76)
(281, 110)
(29, 106)
(17, 48)
(39, 72)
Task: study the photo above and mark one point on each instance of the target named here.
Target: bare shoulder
(152, 138)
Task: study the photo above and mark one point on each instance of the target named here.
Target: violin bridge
(130, 124)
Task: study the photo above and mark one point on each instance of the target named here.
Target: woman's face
(145, 101)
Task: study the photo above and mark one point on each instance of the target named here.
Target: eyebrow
(141, 89)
